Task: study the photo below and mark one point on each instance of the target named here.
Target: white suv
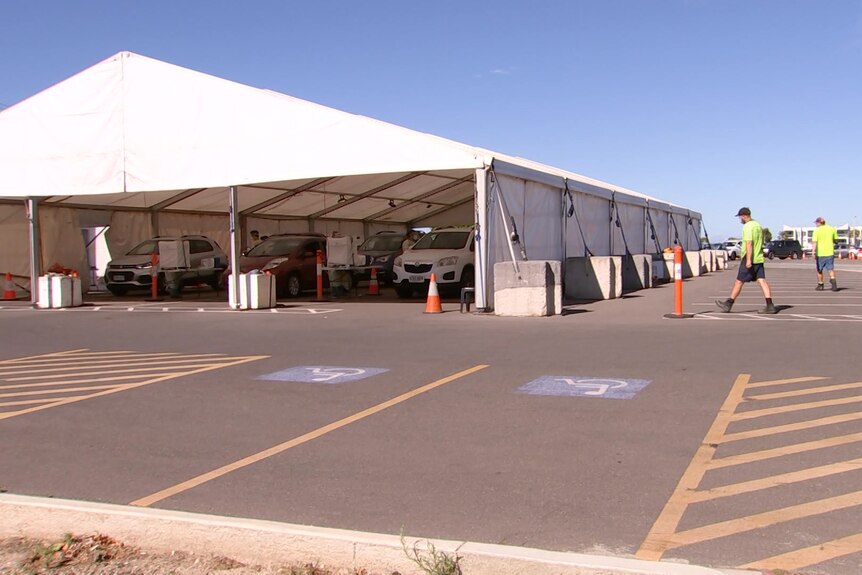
(733, 249)
(449, 253)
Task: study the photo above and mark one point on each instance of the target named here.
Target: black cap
(743, 212)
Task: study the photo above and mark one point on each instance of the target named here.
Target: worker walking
(750, 264)
(823, 247)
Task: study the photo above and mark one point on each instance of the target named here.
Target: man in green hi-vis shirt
(823, 245)
(750, 264)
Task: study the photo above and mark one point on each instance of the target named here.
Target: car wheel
(294, 285)
(794, 256)
(404, 290)
(771, 256)
(118, 290)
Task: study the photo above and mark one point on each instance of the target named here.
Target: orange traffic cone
(9, 290)
(433, 303)
(373, 285)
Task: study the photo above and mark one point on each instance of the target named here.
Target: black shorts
(754, 273)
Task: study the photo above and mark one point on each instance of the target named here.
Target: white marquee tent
(152, 148)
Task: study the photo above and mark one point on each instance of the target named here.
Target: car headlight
(450, 261)
(274, 263)
(397, 262)
(144, 266)
(382, 259)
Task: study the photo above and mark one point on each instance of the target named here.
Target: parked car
(733, 249)
(291, 258)
(783, 249)
(449, 253)
(380, 251)
(842, 250)
(133, 271)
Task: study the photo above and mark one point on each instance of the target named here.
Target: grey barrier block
(594, 277)
(534, 290)
(637, 272)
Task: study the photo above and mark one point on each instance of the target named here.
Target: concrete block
(594, 277)
(637, 272)
(535, 290)
(720, 259)
(690, 264)
(57, 290)
(707, 261)
(661, 273)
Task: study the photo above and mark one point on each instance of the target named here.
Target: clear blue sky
(711, 104)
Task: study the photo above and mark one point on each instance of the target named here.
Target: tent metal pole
(235, 250)
(35, 251)
(482, 230)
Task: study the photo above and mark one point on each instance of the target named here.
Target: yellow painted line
(34, 357)
(27, 402)
(784, 381)
(809, 391)
(79, 359)
(832, 420)
(776, 480)
(809, 556)
(760, 520)
(66, 358)
(660, 535)
(755, 456)
(281, 447)
(56, 391)
(94, 366)
(75, 381)
(236, 361)
(100, 372)
(755, 413)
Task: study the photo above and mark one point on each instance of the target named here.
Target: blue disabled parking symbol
(583, 386)
(324, 374)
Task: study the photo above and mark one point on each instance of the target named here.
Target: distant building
(852, 235)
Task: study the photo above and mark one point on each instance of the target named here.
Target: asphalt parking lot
(729, 440)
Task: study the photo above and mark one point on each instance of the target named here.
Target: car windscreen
(275, 247)
(442, 241)
(144, 248)
(382, 243)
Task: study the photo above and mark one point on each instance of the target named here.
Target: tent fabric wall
(63, 243)
(593, 217)
(661, 224)
(630, 233)
(15, 243)
(127, 229)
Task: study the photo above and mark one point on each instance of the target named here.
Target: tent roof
(132, 132)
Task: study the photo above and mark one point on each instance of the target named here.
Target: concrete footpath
(252, 540)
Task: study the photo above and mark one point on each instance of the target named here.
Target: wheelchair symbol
(322, 374)
(596, 386)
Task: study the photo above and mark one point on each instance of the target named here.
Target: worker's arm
(749, 248)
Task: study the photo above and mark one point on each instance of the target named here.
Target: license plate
(118, 278)
(416, 279)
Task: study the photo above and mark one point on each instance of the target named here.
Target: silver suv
(134, 270)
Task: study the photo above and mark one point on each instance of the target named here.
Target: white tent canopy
(133, 134)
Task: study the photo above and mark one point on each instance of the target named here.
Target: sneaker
(834, 286)
(769, 309)
(819, 287)
(724, 305)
